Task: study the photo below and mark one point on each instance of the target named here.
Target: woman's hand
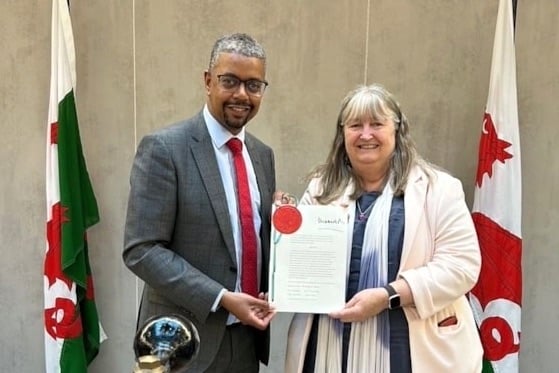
(365, 304)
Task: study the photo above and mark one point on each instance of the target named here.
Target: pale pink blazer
(440, 261)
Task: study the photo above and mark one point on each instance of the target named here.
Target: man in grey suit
(183, 232)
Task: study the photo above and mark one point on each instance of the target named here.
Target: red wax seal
(287, 219)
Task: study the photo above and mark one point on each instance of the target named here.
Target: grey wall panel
(140, 66)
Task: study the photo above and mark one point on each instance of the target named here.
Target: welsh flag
(72, 329)
(497, 298)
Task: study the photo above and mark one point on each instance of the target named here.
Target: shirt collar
(218, 133)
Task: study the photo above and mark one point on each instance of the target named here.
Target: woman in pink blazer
(412, 254)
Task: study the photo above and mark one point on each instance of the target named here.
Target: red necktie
(249, 259)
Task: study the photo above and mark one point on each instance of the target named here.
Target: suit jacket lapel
(265, 189)
(204, 156)
(259, 170)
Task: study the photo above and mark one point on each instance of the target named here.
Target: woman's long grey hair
(371, 102)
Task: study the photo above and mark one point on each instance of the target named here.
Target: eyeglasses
(231, 83)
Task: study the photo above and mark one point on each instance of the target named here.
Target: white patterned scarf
(369, 340)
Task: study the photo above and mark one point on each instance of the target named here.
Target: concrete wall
(140, 64)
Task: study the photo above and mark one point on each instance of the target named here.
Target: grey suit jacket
(178, 236)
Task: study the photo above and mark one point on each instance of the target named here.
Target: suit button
(233, 269)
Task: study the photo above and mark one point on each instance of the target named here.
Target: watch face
(394, 301)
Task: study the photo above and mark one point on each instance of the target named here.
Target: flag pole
(513, 14)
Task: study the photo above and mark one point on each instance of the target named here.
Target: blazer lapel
(266, 193)
(204, 156)
(259, 170)
(414, 200)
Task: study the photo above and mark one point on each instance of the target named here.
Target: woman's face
(369, 141)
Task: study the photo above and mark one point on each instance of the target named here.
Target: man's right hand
(282, 198)
(249, 310)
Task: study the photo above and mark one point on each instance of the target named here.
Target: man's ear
(207, 81)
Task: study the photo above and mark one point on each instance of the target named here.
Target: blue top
(400, 360)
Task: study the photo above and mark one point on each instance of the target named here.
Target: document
(308, 259)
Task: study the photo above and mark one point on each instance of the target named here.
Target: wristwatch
(393, 297)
